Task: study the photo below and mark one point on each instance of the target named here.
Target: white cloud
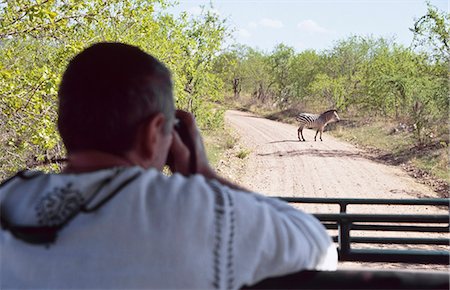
(311, 27)
(253, 24)
(267, 23)
(244, 33)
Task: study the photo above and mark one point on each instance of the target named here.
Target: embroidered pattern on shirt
(58, 206)
(230, 248)
(223, 252)
(219, 212)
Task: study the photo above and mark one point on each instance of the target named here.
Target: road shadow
(281, 115)
(314, 153)
(252, 116)
(284, 141)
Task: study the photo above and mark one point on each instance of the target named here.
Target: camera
(185, 137)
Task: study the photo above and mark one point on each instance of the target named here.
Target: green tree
(257, 76)
(304, 68)
(432, 32)
(229, 67)
(39, 38)
(432, 37)
(280, 63)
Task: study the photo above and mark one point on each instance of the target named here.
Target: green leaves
(432, 33)
(38, 38)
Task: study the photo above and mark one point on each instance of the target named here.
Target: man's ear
(149, 135)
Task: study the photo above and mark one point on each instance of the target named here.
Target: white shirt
(153, 231)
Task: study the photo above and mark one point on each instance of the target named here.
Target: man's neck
(91, 160)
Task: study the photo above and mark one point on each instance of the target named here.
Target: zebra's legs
(300, 133)
(320, 136)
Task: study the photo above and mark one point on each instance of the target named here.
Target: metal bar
(397, 256)
(343, 207)
(402, 241)
(398, 241)
(421, 201)
(390, 228)
(344, 238)
(330, 226)
(383, 218)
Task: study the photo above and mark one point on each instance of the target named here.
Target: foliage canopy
(38, 38)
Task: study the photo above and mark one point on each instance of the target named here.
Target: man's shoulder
(181, 187)
(195, 189)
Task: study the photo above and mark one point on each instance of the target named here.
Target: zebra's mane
(317, 115)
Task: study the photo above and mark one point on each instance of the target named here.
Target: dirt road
(279, 165)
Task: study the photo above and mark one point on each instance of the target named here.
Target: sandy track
(280, 165)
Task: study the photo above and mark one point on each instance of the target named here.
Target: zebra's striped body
(314, 121)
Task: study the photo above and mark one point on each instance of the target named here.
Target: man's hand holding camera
(187, 154)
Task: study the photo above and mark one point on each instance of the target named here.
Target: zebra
(314, 121)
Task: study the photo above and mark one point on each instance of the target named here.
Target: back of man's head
(107, 91)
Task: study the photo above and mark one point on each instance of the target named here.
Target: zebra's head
(336, 116)
(331, 116)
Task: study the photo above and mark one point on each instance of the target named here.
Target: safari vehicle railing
(345, 223)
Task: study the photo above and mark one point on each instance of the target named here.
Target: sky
(318, 25)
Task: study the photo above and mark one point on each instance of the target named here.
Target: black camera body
(183, 132)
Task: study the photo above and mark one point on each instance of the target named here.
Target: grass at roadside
(436, 163)
(216, 143)
(397, 146)
(375, 134)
